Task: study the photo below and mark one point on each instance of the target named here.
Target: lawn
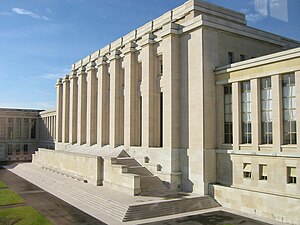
(8, 197)
(2, 185)
(22, 216)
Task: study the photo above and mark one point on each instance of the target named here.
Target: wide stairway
(150, 185)
(111, 206)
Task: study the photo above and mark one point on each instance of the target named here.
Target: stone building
(173, 98)
(20, 133)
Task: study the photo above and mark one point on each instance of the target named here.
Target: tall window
(2, 128)
(33, 128)
(25, 149)
(18, 128)
(26, 129)
(9, 149)
(18, 149)
(230, 57)
(266, 111)
(10, 128)
(246, 112)
(228, 114)
(289, 109)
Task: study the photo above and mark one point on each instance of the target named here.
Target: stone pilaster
(82, 104)
(236, 115)
(59, 104)
(116, 137)
(91, 103)
(171, 89)
(65, 112)
(255, 114)
(73, 108)
(131, 119)
(297, 82)
(277, 113)
(103, 102)
(147, 91)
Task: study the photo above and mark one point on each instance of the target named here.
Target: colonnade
(122, 97)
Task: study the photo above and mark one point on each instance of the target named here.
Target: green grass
(25, 215)
(8, 197)
(2, 185)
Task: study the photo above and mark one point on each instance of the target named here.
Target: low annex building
(196, 99)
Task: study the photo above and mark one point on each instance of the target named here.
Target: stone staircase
(169, 207)
(150, 185)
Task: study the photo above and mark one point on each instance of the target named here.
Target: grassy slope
(8, 197)
(2, 185)
(28, 215)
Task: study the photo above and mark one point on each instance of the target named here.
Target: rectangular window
(289, 109)
(25, 149)
(291, 175)
(263, 172)
(18, 128)
(2, 128)
(9, 149)
(18, 149)
(230, 57)
(246, 113)
(242, 57)
(26, 129)
(266, 111)
(33, 128)
(247, 170)
(10, 128)
(228, 114)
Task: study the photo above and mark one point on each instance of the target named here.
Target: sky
(41, 39)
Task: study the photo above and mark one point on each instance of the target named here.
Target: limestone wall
(276, 207)
(88, 167)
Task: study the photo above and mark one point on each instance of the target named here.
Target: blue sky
(41, 39)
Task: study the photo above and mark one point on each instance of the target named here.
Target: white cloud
(5, 14)
(254, 17)
(25, 12)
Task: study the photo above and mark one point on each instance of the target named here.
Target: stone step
(137, 212)
(127, 161)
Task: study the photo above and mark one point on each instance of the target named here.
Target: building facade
(163, 96)
(20, 133)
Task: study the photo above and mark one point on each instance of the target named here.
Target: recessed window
(263, 172)
(9, 149)
(18, 149)
(291, 175)
(246, 113)
(289, 109)
(10, 128)
(242, 57)
(230, 57)
(228, 114)
(247, 170)
(33, 129)
(266, 111)
(25, 149)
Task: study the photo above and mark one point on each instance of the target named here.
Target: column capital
(169, 29)
(81, 71)
(101, 61)
(66, 79)
(129, 47)
(90, 66)
(147, 39)
(59, 82)
(73, 75)
(115, 54)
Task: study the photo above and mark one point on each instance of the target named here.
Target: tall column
(103, 102)
(73, 108)
(171, 89)
(66, 108)
(147, 89)
(82, 104)
(297, 83)
(277, 113)
(91, 104)
(255, 114)
(116, 137)
(236, 115)
(131, 137)
(59, 104)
